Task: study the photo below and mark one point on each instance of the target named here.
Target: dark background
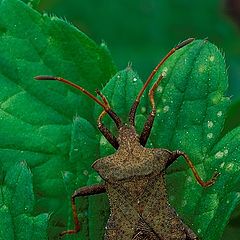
(142, 31)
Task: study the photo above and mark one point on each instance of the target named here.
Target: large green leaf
(36, 118)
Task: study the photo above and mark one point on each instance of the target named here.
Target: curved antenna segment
(133, 110)
(73, 85)
(103, 104)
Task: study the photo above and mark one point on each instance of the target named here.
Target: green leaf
(16, 206)
(40, 44)
(36, 117)
(192, 104)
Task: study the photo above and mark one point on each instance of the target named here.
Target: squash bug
(134, 176)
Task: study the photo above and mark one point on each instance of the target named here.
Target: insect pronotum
(134, 175)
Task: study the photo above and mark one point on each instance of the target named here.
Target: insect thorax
(131, 159)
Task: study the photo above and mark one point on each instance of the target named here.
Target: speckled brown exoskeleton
(134, 175)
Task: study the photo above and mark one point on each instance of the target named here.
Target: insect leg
(149, 123)
(208, 183)
(106, 133)
(83, 191)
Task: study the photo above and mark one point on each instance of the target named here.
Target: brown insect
(134, 176)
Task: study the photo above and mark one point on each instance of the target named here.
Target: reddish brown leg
(149, 123)
(84, 191)
(106, 133)
(112, 114)
(103, 98)
(208, 183)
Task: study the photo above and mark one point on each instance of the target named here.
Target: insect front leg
(106, 133)
(178, 153)
(149, 123)
(83, 191)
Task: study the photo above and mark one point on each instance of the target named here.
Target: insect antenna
(133, 110)
(103, 104)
